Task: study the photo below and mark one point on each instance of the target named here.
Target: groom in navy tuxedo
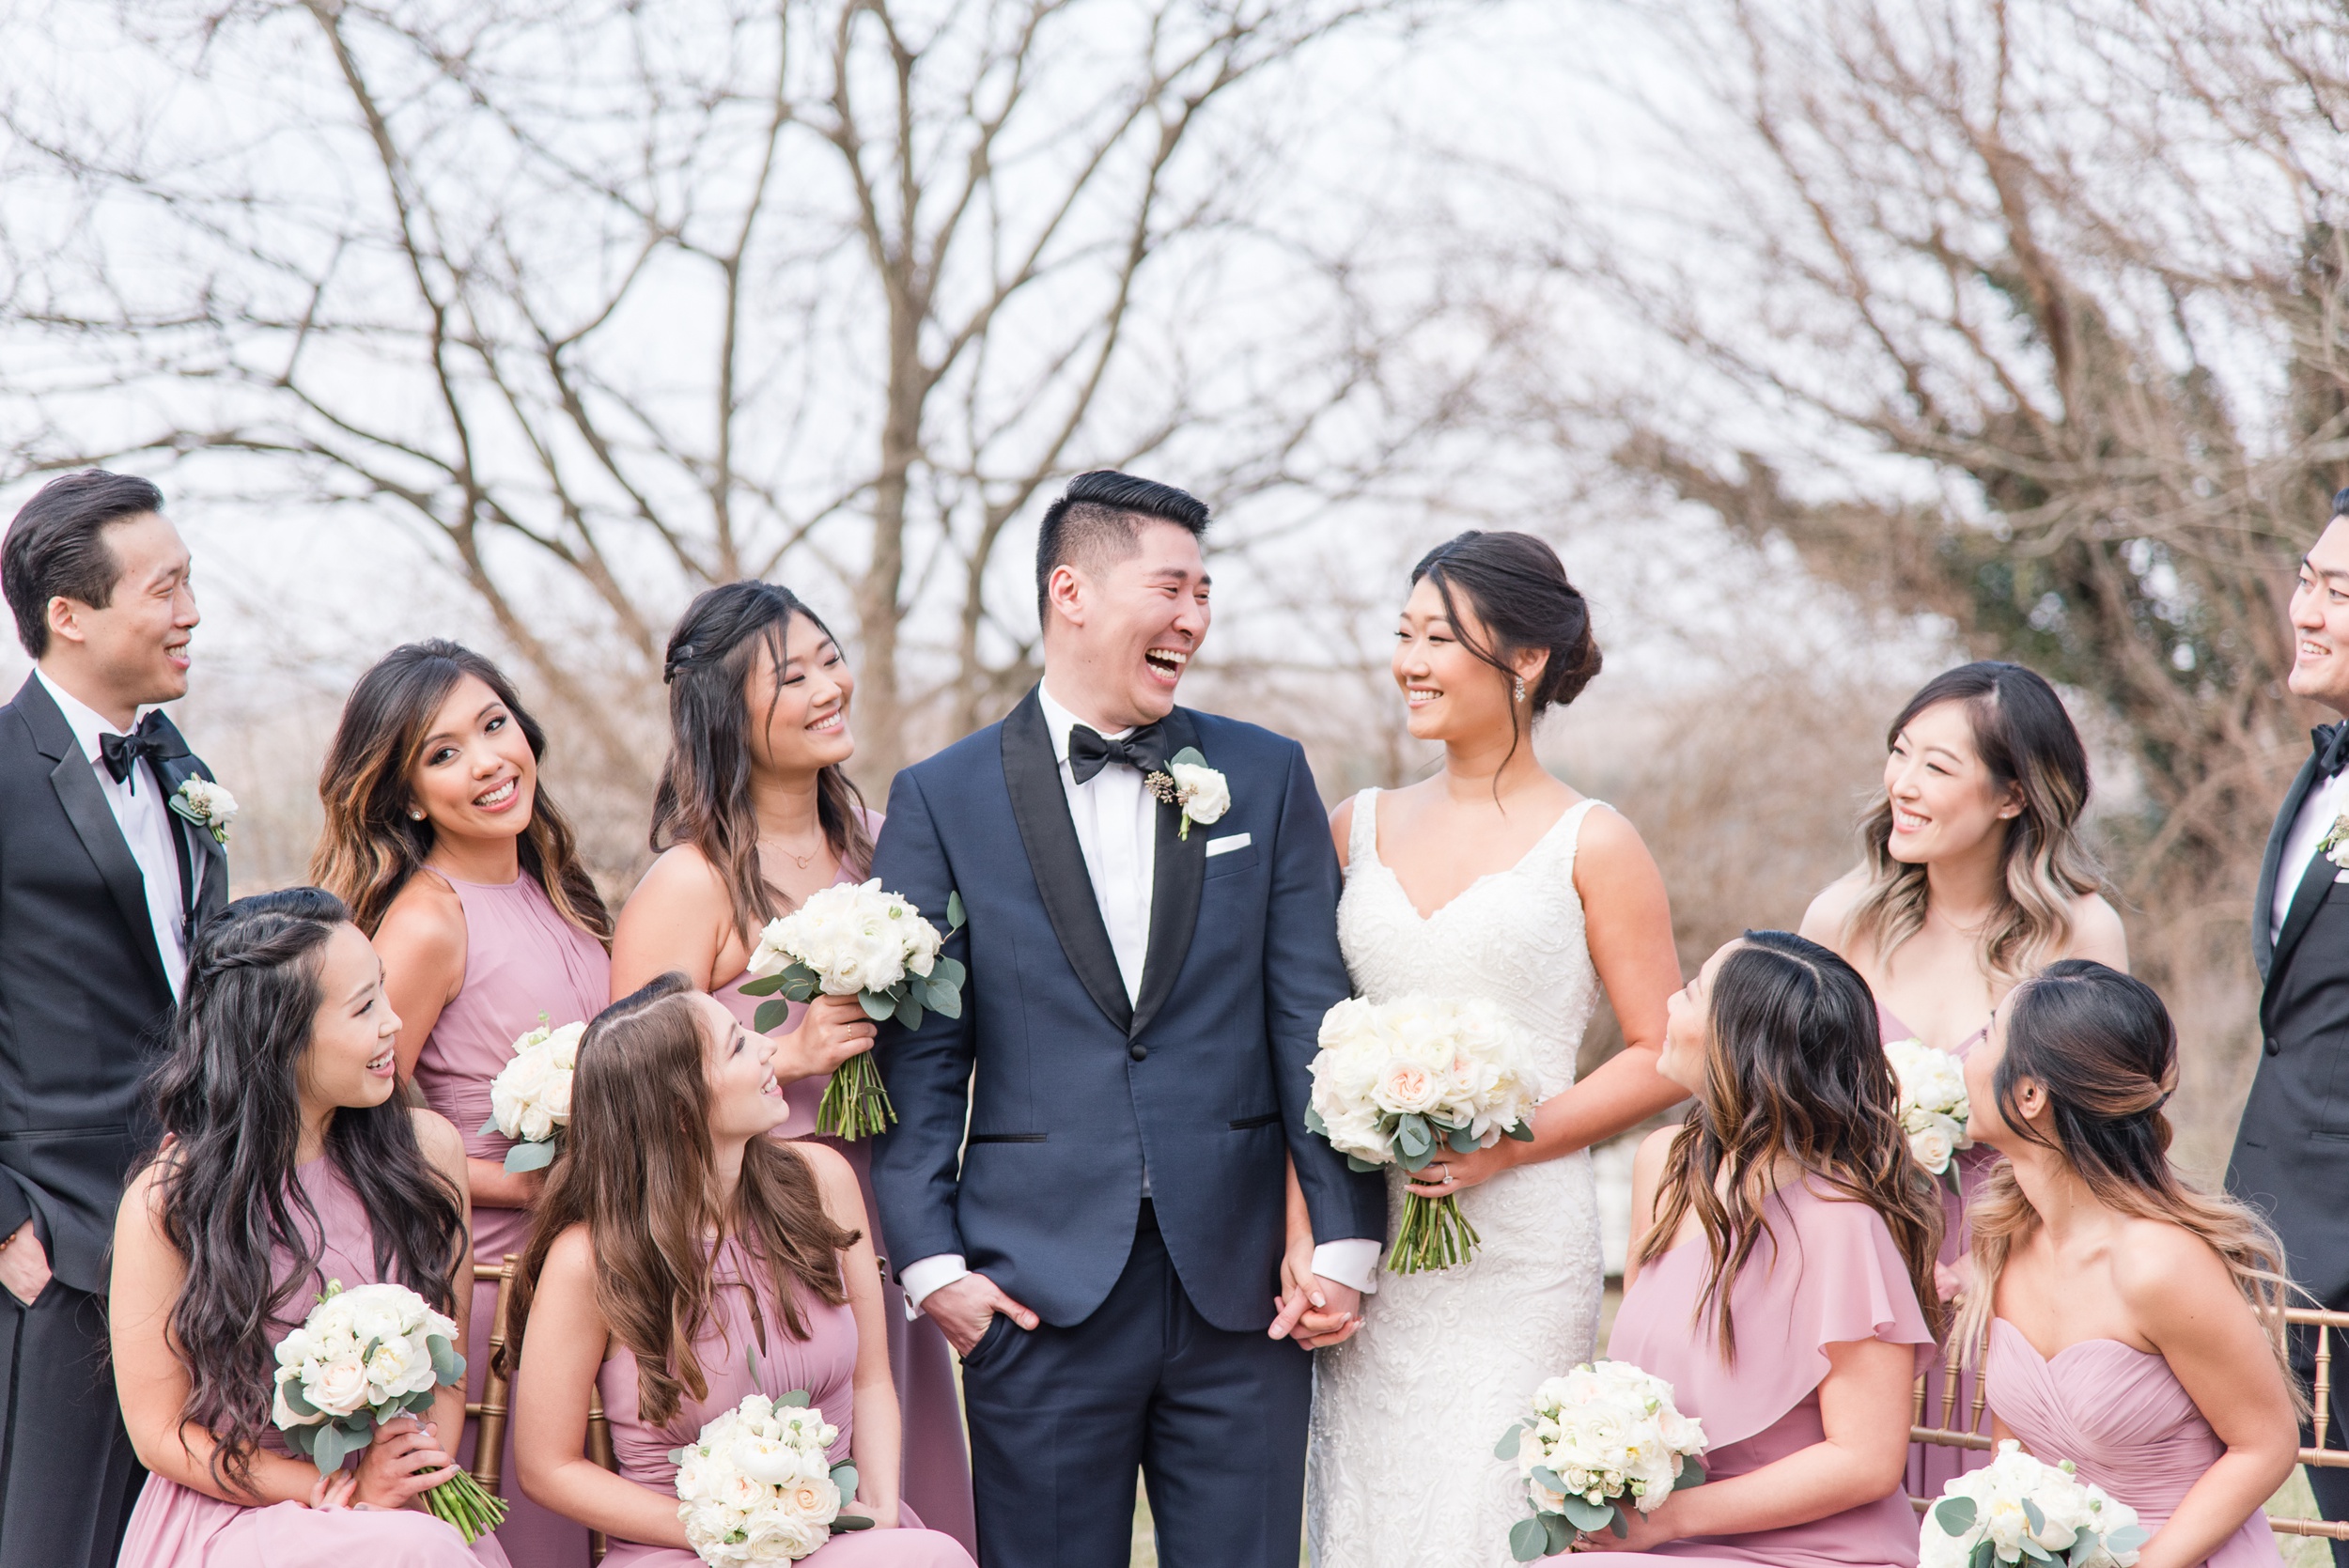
(1132, 1066)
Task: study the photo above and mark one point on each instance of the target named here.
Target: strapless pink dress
(521, 959)
(746, 1328)
(937, 1462)
(1830, 1275)
(177, 1527)
(1932, 1468)
(2124, 1420)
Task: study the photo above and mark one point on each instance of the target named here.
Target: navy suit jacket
(1065, 1085)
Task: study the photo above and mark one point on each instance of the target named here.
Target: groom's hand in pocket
(964, 1308)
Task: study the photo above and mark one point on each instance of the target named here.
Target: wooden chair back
(490, 1412)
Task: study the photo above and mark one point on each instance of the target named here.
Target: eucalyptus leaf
(771, 1016)
(2034, 1551)
(880, 1006)
(1522, 1132)
(802, 984)
(909, 1012)
(327, 1448)
(1314, 1124)
(846, 1523)
(949, 971)
(488, 1126)
(1983, 1556)
(1561, 1533)
(798, 1399)
(1956, 1515)
(1358, 1165)
(2031, 1513)
(2128, 1539)
(956, 918)
(1528, 1540)
(1412, 1131)
(1544, 1476)
(1621, 1525)
(1586, 1515)
(844, 1477)
(945, 1000)
(2084, 1547)
(1190, 756)
(1507, 1447)
(765, 987)
(1462, 1141)
(448, 1364)
(296, 1400)
(1418, 1162)
(530, 1157)
(1691, 1474)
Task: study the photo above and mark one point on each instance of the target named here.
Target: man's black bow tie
(152, 741)
(1142, 748)
(2332, 748)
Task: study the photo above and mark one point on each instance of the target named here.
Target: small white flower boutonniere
(1191, 784)
(208, 806)
(2334, 845)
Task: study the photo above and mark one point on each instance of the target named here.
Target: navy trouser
(1061, 1419)
(68, 1476)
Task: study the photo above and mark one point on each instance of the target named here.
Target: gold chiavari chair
(492, 1410)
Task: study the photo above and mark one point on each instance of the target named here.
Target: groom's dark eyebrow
(2333, 577)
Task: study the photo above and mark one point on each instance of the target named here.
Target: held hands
(23, 1266)
(831, 1030)
(1448, 1173)
(404, 1461)
(966, 1306)
(1310, 1310)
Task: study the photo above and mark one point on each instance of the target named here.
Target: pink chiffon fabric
(1932, 1468)
(2122, 1416)
(747, 1350)
(1826, 1273)
(522, 960)
(177, 1527)
(937, 1463)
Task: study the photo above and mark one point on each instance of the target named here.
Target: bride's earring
(1520, 688)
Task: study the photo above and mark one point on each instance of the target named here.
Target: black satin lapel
(85, 807)
(1178, 875)
(2316, 883)
(1040, 806)
(2264, 903)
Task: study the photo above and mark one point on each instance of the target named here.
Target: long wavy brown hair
(371, 846)
(705, 794)
(2101, 1044)
(636, 1169)
(2025, 738)
(1796, 1070)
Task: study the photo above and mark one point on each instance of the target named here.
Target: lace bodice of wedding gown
(1405, 1413)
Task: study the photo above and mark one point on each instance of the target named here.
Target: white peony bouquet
(1402, 1082)
(1604, 1435)
(1934, 1110)
(362, 1357)
(757, 1485)
(529, 1099)
(874, 946)
(2015, 1510)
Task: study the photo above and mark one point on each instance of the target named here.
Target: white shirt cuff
(924, 1275)
(1353, 1262)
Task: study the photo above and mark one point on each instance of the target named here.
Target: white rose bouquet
(362, 1357)
(1399, 1083)
(874, 946)
(1600, 1439)
(1934, 1110)
(757, 1485)
(529, 1099)
(2015, 1510)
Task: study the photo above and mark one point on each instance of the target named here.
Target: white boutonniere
(1191, 784)
(207, 805)
(2334, 845)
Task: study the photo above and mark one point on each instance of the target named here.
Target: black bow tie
(1142, 748)
(152, 741)
(2332, 748)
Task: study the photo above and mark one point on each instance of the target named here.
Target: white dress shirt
(1116, 820)
(146, 824)
(2321, 807)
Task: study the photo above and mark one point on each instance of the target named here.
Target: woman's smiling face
(474, 776)
(350, 1065)
(744, 1100)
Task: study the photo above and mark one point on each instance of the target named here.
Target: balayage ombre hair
(2024, 737)
(1795, 1069)
(2102, 1046)
(637, 1168)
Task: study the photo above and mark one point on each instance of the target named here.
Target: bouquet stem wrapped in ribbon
(362, 1357)
(874, 946)
(1601, 1439)
(757, 1486)
(1401, 1083)
(2016, 1510)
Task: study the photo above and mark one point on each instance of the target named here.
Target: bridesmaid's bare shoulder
(1823, 922)
(2097, 932)
(423, 932)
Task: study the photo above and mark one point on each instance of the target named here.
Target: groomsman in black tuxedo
(2292, 1151)
(102, 884)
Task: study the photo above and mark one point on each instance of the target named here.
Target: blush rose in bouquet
(757, 1485)
(529, 1099)
(875, 946)
(1933, 1109)
(1600, 1439)
(362, 1358)
(1400, 1082)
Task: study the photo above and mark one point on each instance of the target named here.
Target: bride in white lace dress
(1491, 879)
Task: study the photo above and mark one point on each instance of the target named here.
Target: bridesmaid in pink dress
(1973, 874)
(754, 815)
(1798, 1357)
(465, 871)
(673, 1218)
(286, 1164)
(2130, 1332)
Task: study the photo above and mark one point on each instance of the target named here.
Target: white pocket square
(2338, 876)
(1226, 845)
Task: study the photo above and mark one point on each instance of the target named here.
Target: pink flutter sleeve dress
(748, 1349)
(1828, 1274)
(2126, 1422)
(522, 960)
(937, 1462)
(177, 1527)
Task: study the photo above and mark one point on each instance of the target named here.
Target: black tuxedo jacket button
(1139, 1053)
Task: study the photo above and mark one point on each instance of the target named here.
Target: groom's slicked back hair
(1098, 518)
(57, 546)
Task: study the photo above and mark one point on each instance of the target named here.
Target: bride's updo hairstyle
(2026, 739)
(1796, 1070)
(2101, 1046)
(1517, 588)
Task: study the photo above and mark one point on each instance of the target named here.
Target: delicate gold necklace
(802, 861)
